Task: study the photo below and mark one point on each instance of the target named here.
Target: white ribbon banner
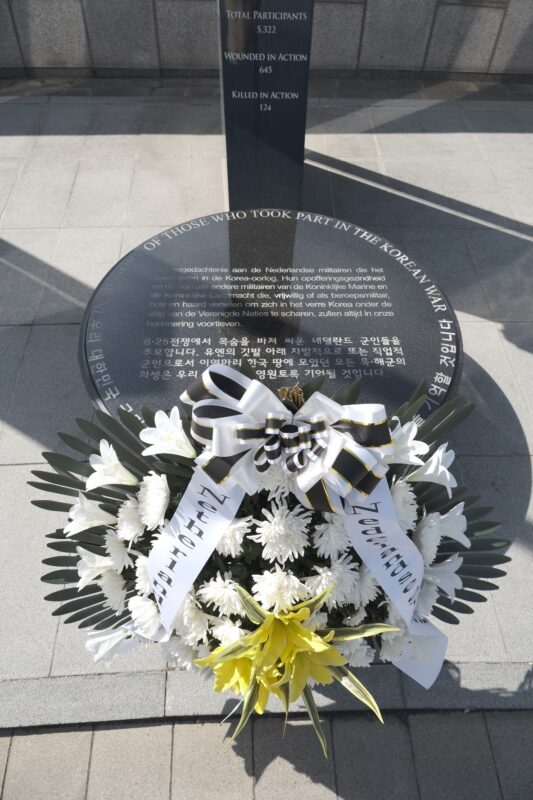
(423, 657)
(205, 512)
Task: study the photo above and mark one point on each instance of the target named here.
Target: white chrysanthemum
(108, 470)
(435, 470)
(85, 514)
(426, 598)
(221, 593)
(330, 538)
(405, 504)
(154, 496)
(357, 652)
(355, 619)
(231, 542)
(278, 590)
(145, 616)
(178, 654)
(406, 449)
(341, 577)
(91, 566)
(366, 588)
(114, 588)
(227, 631)
(283, 532)
(276, 482)
(191, 622)
(130, 525)
(317, 621)
(117, 552)
(167, 437)
(142, 580)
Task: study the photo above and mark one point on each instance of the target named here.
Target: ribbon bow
(328, 449)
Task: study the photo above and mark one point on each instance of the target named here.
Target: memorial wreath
(278, 540)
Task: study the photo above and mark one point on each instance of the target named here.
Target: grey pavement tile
(358, 743)
(500, 425)
(191, 694)
(514, 50)
(145, 772)
(49, 395)
(336, 35)
(64, 129)
(160, 191)
(474, 686)
(85, 698)
(41, 192)
(5, 742)
(71, 657)
(133, 237)
(114, 130)
(25, 256)
(13, 340)
(81, 259)
(27, 629)
(290, 761)
(478, 637)
(396, 40)
(474, 186)
(453, 757)
(50, 765)
(122, 34)
(206, 192)
(11, 56)
(100, 193)
(52, 34)
(463, 39)
(9, 169)
(510, 736)
(503, 263)
(445, 255)
(169, 129)
(517, 340)
(230, 773)
(347, 135)
(19, 124)
(194, 23)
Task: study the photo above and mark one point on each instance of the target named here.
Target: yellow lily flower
(280, 657)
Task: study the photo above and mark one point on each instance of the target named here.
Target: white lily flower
(435, 470)
(435, 526)
(108, 470)
(91, 566)
(168, 436)
(154, 496)
(86, 514)
(105, 644)
(444, 575)
(406, 449)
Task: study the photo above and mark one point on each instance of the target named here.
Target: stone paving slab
(88, 170)
(411, 757)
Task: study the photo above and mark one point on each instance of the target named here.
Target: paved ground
(90, 169)
(426, 756)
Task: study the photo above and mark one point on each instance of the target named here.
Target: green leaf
(470, 597)
(77, 444)
(61, 480)
(61, 561)
(63, 546)
(250, 700)
(72, 592)
(454, 605)
(349, 634)
(149, 417)
(480, 571)
(348, 394)
(114, 623)
(310, 704)
(52, 487)
(251, 608)
(79, 604)
(62, 463)
(477, 583)
(355, 687)
(444, 616)
(312, 386)
(61, 576)
(52, 505)
(130, 421)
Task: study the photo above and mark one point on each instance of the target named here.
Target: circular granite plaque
(297, 294)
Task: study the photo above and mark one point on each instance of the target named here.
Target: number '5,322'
(266, 29)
